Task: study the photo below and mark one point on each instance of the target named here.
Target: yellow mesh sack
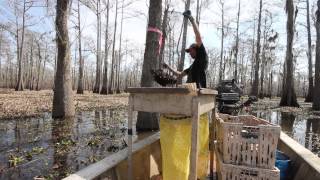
(175, 139)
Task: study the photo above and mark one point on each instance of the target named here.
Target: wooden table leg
(130, 134)
(194, 139)
(212, 139)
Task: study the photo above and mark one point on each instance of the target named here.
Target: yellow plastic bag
(175, 139)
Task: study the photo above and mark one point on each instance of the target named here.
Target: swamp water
(301, 124)
(42, 147)
(303, 128)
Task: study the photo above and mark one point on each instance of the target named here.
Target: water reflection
(62, 144)
(284, 119)
(312, 140)
(287, 122)
(297, 125)
(53, 148)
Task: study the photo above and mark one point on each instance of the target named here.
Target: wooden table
(172, 101)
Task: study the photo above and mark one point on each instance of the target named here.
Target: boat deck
(142, 160)
(146, 158)
(305, 165)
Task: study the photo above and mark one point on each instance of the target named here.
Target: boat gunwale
(96, 169)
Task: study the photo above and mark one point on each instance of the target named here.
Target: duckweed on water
(29, 155)
(94, 141)
(15, 160)
(37, 150)
(64, 146)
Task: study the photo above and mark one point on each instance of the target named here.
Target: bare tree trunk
(74, 69)
(177, 46)
(316, 93)
(184, 40)
(81, 61)
(198, 13)
(164, 32)
(255, 85)
(224, 66)
(120, 49)
(8, 69)
(253, 53)
(55, 64)
(92, 81)
(243, 68)
(63, 105)
(111, 85)
(149, 121)
(98, 66)
(13, 77)
(104, 89)
(263, 60)
(309, 55)
(26, 69)
(237, 46)
(30, 81)
(270, 84)
(288, 97)
(171, 47)
(116, 61)
(1, 75)
(20, 86)
(222, 41)
(283, 75)
(39, 65)
(44, 66)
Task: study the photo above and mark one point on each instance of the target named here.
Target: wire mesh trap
(164, 77)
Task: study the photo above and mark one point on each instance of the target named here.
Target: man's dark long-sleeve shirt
(196, 72)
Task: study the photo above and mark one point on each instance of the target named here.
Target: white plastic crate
(238, 172)
(247, 140)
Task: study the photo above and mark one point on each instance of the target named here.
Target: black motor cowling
(228, 98)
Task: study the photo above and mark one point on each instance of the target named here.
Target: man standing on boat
(175, 129)
(196, 72)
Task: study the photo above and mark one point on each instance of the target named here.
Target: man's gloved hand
(187, 14)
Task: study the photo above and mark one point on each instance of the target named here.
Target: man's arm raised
(196, 31)
(194, 26)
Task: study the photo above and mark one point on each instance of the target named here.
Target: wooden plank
(147, 163)
(170, 90)
(74, 177)
(163, 103)
(165, 90)
(130, 133)
(298, 151)
(194, 139)
(98, 168)
(211, 140)
(206, 91)
(141, 166)
(171, 103)
(207, 103)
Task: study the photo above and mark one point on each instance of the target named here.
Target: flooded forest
(66, 66)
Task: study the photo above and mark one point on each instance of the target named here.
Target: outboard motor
(228, 98)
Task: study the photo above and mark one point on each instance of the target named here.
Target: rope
(156, 30)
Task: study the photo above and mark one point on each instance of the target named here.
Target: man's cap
(194, 45)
